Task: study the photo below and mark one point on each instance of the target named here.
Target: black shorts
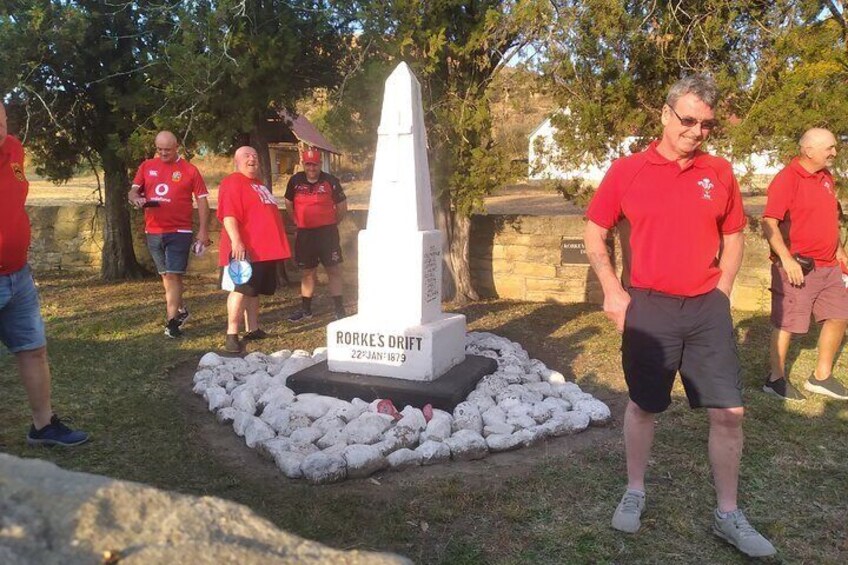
(665, 334)
(262, 281)
(315, 245)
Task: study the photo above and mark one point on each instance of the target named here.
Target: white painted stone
(521, 421)
(290, 464)
(494, 415)
(388, 445)
(438, 428)
(240, 422)
(466, 445)
(306, 435)
(597, 411)
(210, 360)
(230, 386)
(498, 428)
(481, 400)
(260, 381)
(329, 422)
(352, 411)
(304, 449)
(367, 428)
(433, 452)
(294, 364)
(405, 436)
(540, 412)
(297, 421)
(312, 407)
(321, 468)
(403, 459)
(319, 354)
(200, 387)
(256, 430)
(244, 399)
(543, 388)
(281, 355)
(567, 423)
(271, 447)
(203, 375)
(503, 442)
(466, 416)
(279, 420)
(363, 460)
(217, 398)
(226, 415)
(279, 397)
(554, 377)
(557, 405)
(337, 449)
(236, 365)
(412, 418)
(301, 353)
(332, 437)
(256, 358)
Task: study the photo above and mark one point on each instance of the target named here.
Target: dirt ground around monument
(123, 381)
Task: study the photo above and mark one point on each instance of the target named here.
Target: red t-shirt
(260, 222)
(677, 217)
(807, 202)
(14, 222)
(171, 185)
(314, 202)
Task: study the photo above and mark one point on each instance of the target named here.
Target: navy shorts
(665, 334)
(315, 245)
(263, 280)
(170, 251)
(21, 326)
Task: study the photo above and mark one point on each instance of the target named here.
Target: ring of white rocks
(324, 439)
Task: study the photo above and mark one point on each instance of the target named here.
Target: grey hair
(702, 86)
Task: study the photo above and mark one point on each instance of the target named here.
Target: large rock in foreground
(48, 515)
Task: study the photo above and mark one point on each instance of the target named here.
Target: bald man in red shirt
(801, 223)
(21, 325)
(685, 213)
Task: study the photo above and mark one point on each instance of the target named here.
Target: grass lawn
(123, 381)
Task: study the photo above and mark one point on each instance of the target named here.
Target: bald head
(3, 130)
(817, 149)
(247, 161)
(166, 146)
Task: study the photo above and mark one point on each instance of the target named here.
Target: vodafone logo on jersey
(161, 191)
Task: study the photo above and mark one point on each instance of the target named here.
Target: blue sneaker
(55, 433)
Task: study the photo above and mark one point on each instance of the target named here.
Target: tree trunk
(258, 142)
(118, 257)
(456, 274)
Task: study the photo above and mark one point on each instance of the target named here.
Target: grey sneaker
(783, 389)
(737, 531)
(629, 511)
(828, 387)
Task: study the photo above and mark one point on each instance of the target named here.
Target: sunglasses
(692, 122)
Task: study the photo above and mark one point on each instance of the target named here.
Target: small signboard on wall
(573, 251)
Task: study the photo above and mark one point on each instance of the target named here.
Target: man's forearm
(775, 240)
(599, 258)
(232, 227)
(203, 214)
(733, 248)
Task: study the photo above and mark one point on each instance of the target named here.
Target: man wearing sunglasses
(686, 219)
(802, 206)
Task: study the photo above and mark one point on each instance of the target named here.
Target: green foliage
(455, 48)
(781, 64)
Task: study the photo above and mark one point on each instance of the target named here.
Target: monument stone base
(415, 353)
(444, 393)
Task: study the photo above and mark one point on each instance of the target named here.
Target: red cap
(311, 156)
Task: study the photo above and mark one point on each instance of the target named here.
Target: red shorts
(823, 294)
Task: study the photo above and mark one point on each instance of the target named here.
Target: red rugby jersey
(677, 216)
(14, 222)
(314, 202)
(807, 201)
(172, 186)
(260, 222)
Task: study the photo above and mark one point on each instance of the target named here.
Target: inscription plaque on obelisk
(399, 330)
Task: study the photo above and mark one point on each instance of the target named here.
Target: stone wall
(516, 257)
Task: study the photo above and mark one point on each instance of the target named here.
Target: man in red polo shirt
(686, 220)
(316, 203)
(164, 187)
(21, 325)
(254, 232)
(801, 223)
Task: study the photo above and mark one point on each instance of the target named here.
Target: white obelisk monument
(400, 330)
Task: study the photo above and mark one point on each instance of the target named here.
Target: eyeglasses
(692, 122)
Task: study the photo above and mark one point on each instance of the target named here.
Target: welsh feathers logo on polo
(707, 185)
(18, 171)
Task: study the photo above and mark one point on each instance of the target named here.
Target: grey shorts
(665, 334)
